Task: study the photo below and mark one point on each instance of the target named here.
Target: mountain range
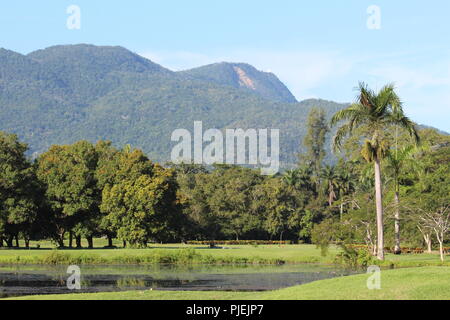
(67, 93)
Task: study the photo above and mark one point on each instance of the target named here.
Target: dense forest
(86, 190)
(64, 94)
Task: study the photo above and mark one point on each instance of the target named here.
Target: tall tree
(282, 206)
(301, 180)
(68, 173)
(198, 222)
(396, 161)
(106, 172)
(144, 208)
(18, 187)
(314, 140)
(113, 169)
(371, 114)
(330, 180)
(231, 198)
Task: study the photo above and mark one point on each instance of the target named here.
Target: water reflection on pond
(29, 280)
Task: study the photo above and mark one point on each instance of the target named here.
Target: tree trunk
(331, 194)
(27, 242)
(60, 241)
(429, 246)
(90, 241)
(110, 241)
(379, 206)
(397, 248)
(369, 241)
(70, 239)
(78, 241)
(124, 244)
(1, 242)
(60, 238)
(17, 241)
(9, 241)
(440, 238)
(374, 250)
(427, 238)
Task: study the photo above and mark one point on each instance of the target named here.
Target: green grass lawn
(428, 283)
(264, 254)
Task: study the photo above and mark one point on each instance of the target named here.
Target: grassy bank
(189, 254)
(430, 283)
(174, 254)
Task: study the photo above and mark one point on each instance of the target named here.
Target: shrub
(354, 258)
(56, 257)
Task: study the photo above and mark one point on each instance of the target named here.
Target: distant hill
(66, 93)
(242, 75)
(423, 126)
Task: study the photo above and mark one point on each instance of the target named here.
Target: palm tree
(330, 180)
(396, 161)
(346, 188)
(299, 179)
(290, 177)
(371, 115)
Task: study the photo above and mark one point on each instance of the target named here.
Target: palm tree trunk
(331, 194)
(397, 249)
(379, 206)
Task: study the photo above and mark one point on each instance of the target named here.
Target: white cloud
(413, 78)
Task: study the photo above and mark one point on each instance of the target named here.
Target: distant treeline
(87, 190)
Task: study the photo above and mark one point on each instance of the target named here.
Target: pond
(32, 280)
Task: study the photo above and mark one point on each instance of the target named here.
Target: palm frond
(352, 112)
(340, 135)
(387, 101)
(410, 126)
(397, 160)
(365, 96)
(405, 123)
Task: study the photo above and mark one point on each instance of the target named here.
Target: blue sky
(317, 48)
